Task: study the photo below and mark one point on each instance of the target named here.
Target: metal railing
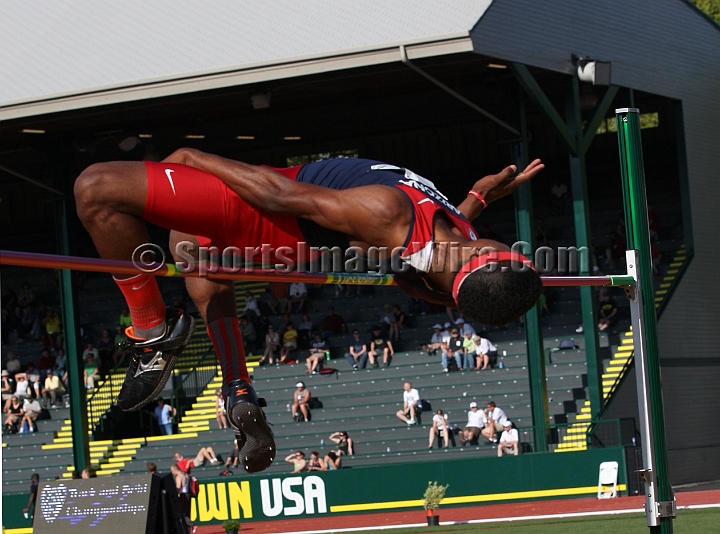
(599, 434)
(194, 383)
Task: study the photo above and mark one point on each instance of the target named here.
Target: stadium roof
(61, 55)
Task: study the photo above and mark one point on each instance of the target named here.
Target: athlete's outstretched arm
(368, 213)
(496, 186)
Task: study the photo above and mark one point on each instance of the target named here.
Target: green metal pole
(533, 334)
(660, 503)
(76, 385)
(581, 211)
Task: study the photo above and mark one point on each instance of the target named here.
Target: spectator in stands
(121, 350)
(380, 344)
(75, 474)
(411, 399)
(317, 354)
(615, 249)
(30, 324)
(53, 330)
(87, 473)
(332, 324)
(495, 423)
(469, 351)
(300, 405)
(559, 193)
(14, 415)
(106, 348)
(541, 236)
(31, 411)
(279, 292)
(29, 510)
(52, 391)
(333, 461)
(91, 372)
(60, 363)
(164, 414)
(435, 341)
(26, 296)
(358, 355)
(251, 309)
(33, 378)
(387, 322)
(152, 468)
(399, 321)
(182, 485)
(344, 443)
(220, 413)
(13, 364)
(249, 335)
(272, 345)
(8, 388)
(125, 319)
(305, 329)
(475, 423)
(45, 364)
(486, 353)
(608, 311)
(455, 349)
(286, 323)
(414, 305)
(508, 440)
(22, 385)
(315, 463)
(464, 327)
(298, 294)
(298, 461)
(204, 454)
(440, 428)
(290, 338)
(233, 456)
(90, 350)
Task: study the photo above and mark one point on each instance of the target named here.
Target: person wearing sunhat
(508, 440)
(300, 405)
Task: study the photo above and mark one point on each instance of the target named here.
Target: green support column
(76, 382)
(578, 178)
(660, 503)
(533, 334)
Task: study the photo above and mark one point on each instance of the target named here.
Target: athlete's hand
(496, 186)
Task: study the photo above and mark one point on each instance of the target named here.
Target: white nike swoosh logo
(135, 288)
(425, 200)
(168, 173)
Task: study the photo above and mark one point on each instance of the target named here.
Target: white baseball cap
(508, 423)
(300, 385)
(448, 324)
(460, 321)
(473, 404)
(438, 325)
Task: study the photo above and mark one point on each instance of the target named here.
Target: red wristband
(479, 197)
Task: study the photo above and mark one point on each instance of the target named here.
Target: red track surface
(466, 513)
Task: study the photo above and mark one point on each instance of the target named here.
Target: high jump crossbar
(54, 261)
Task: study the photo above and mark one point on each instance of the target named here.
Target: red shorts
(195, 202)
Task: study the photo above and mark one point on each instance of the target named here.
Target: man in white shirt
(411, 398)
(296, 302)
(53, 388)
(464, 327)
(476, 421)
(496, 420)
(435, 340)
(508, 441)
(31, 411)
(486, 353)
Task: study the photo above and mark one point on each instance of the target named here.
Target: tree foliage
(710, 7)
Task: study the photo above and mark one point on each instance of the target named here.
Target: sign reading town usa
(278, 497)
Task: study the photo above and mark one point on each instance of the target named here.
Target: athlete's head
(496, 288)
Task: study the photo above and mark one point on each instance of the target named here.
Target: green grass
(688, 522)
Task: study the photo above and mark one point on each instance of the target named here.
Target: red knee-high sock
(227, 340)
(147, 309)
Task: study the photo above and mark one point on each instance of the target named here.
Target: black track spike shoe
(255, 440)
(153, 360)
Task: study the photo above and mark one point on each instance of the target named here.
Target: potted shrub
(432, 497)
(231, 526)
